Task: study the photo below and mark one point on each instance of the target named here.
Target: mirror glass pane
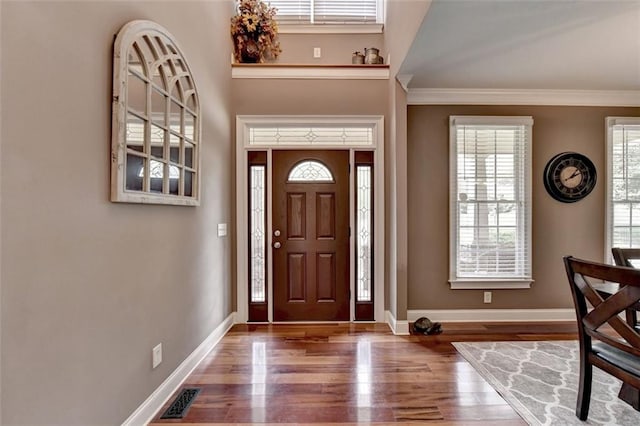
(135, 61)
(133, 179)
(148, 55)
(136, 93)
(176, 91)
(174, 180)
(179, 66)
(158, 77)
(157, 141)
(134, 133)
(168, 69)
(188, 154)
(186, 84)
(189, 123)
(160, 46)
(191, 102)
(174, 118)
(156, 172)
(174, 148)
(188, 183)
(158, 107)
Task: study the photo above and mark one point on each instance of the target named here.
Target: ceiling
(527, 44)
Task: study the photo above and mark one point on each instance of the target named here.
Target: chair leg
(584, 390)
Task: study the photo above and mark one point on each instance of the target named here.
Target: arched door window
(156, 119)
(310, 171)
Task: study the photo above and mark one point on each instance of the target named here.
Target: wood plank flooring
(349, 374)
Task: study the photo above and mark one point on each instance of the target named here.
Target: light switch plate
(222, 229)
(157, 355)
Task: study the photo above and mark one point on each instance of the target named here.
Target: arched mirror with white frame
(155, 148)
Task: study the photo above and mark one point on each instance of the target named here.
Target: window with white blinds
(490, 202)
(623, 183)
(328, 11)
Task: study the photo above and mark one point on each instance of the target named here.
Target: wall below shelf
(310, 71)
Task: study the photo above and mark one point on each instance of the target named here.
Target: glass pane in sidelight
(364, 240)
(257, 229)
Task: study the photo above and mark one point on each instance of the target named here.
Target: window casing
(328, 11)
(490, 202)
(623, 183)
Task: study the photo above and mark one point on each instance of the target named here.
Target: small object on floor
(425, 326)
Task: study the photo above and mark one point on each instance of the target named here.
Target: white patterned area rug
(540, 381)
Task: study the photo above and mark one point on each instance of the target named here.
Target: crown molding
(629, 98)
(404, 80)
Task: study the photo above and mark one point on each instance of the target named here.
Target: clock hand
(576, 173)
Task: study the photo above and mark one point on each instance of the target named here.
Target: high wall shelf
(310, 71)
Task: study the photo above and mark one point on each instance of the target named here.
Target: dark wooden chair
(625, 257)
(614, 349)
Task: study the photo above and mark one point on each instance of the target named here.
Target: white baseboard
(399, 328)
(144, 414)
(493, 315)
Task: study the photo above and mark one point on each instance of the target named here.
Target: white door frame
(244, 124)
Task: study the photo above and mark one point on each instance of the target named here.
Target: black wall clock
(569, 177)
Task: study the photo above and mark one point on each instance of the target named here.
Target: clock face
(569, 177)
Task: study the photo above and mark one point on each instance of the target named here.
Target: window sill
(310, 71)
(330, 28)
(489, 284)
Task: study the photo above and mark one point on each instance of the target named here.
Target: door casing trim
(243, 125)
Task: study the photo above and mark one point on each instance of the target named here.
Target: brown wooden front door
(310, 235)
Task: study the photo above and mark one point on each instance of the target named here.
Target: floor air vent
(178, 409)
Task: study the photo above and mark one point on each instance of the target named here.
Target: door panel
(296, 216)
(311, 252)
(325, 216)
(297, 277)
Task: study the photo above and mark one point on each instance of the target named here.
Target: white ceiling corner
(571, 52)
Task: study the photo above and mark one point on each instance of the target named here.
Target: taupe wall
(558, 229)
(335, 48)
(88, 286)
(403, 19)
(300, 97)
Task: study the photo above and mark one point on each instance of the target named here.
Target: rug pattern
(540, 381)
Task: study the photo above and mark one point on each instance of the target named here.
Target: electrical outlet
(157, 355)
(317, 52)
(487, 297)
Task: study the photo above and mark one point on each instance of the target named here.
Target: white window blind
(490, 197)
(623, 183)
(328, 11)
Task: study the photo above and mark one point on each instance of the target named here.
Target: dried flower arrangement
(254, 31)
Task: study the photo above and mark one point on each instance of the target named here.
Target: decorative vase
(250, 53)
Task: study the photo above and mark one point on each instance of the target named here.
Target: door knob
(276, 233)
(277, 245)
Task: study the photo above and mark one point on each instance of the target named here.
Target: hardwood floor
(347, 374)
